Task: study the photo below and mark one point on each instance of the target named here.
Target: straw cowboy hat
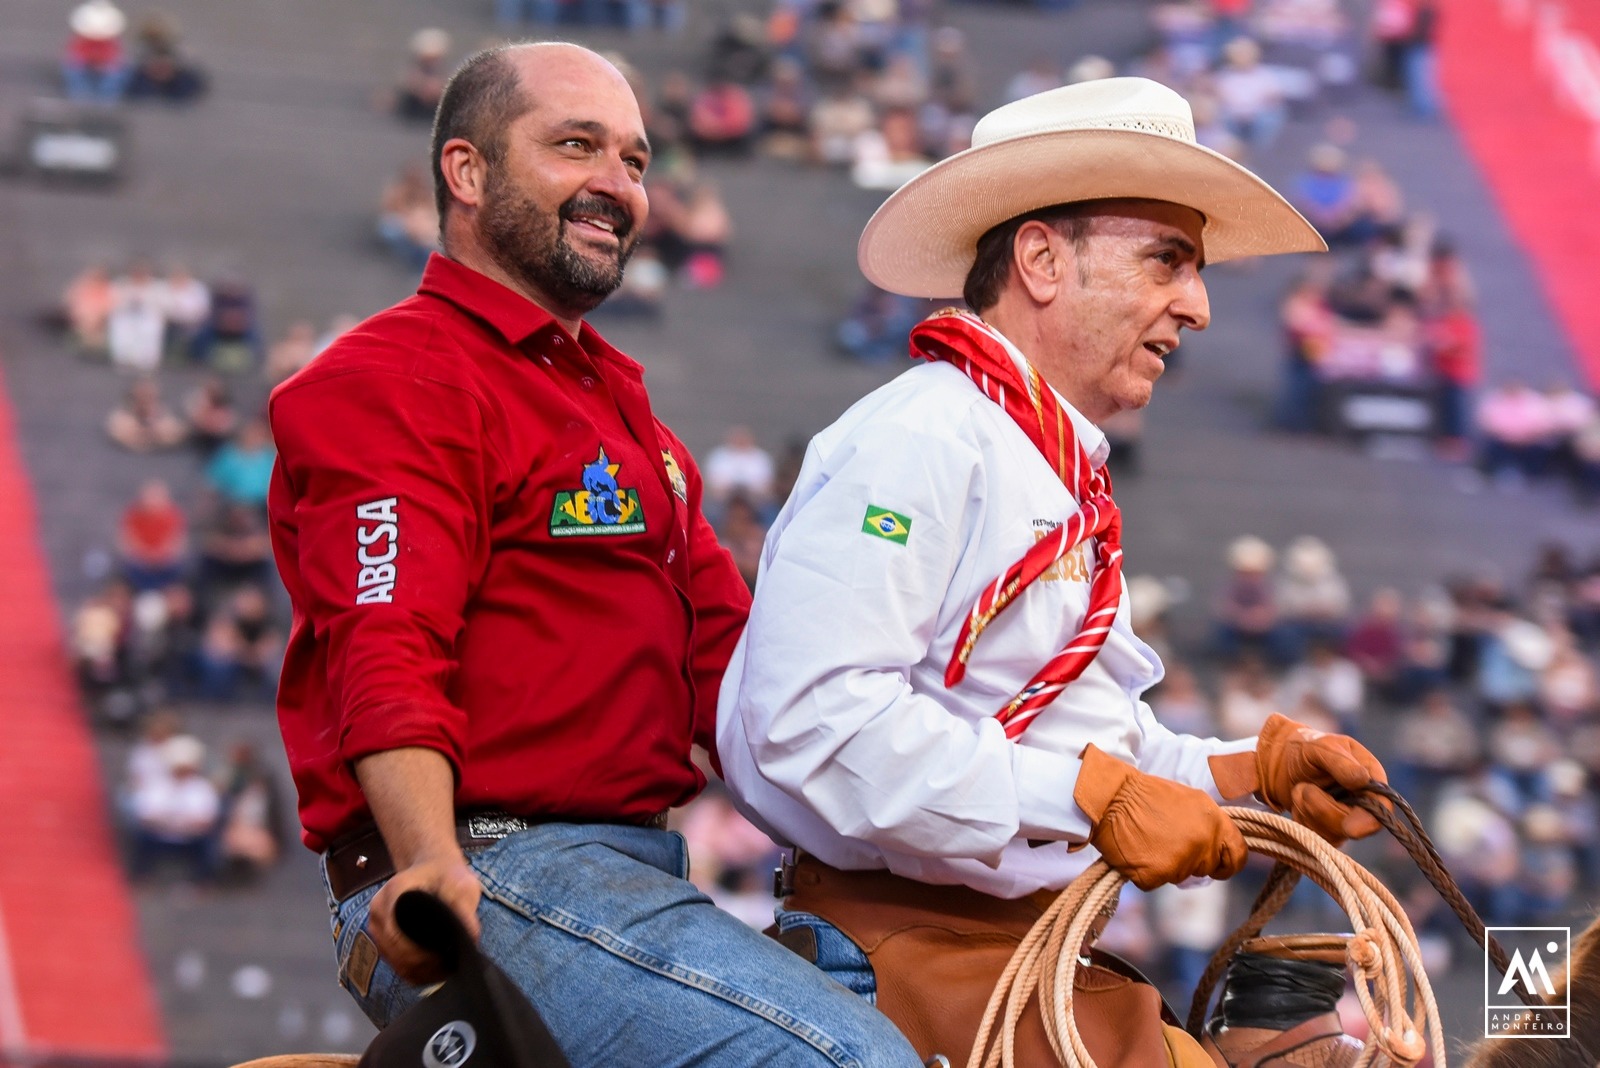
(1116, 137)
(98, 20)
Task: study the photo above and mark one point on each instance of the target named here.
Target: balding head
(496, 86)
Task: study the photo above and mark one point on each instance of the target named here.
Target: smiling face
(1114, 316)
(564, 205)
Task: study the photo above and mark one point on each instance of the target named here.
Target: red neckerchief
(964, 340)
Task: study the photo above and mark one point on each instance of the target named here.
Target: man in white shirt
(937, 698)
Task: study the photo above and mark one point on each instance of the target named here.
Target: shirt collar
(512, 315)
(1091, 437)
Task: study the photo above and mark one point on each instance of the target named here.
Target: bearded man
(511, 617)
(937, 698)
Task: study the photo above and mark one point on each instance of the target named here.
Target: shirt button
(556, 340)
(672, 554)
(586, 383)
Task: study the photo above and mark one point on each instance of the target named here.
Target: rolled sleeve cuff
(1045, 782)
(403, 726)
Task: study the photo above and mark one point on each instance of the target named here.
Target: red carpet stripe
(1538, 149)
(77, 978)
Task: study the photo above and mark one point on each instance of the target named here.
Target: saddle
(1279, 1006)
(938, 951)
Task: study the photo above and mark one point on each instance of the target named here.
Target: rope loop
(1395, 996)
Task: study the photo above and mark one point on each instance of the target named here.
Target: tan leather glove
(1290, 770)
(1153, 830)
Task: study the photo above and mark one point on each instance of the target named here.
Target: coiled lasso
(1383, 955)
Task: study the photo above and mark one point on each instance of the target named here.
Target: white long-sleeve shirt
(836, 731)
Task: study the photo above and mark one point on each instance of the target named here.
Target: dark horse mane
(1583, 976)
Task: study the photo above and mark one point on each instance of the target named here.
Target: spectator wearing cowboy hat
(95, 68)
(969, 719)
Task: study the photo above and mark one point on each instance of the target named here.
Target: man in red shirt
(511, 617)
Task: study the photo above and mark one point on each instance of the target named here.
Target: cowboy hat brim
(922, 241)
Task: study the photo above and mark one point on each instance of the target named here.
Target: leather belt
(361, 859)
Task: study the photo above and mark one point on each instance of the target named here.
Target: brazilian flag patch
(890, 526)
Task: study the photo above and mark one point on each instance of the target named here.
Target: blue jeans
(843, 961)
(629, 964)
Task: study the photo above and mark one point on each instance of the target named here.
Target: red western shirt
(494, 550)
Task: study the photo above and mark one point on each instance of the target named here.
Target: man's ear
(465, 170)
(1040, 258)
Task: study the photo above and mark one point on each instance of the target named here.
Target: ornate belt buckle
(495, 826)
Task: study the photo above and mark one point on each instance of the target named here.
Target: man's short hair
(482, 98)
(992, 266)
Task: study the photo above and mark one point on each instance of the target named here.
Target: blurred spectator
(1514, 653)
(136, 329)
(744, 534)
(213, 419)
(722, 119)
(1393, 24)
(1191, 921)
(141, 422)
(1246, 615)
(146, 761)
(1377, 641)
(1334, 681)
(1313, 597)
(1549, 870)
(176, 815)
(1521, 747)
(1449, 282)
(1568, 689)
(1479, 846)
(153, 539)
(1180, 705)
(1148, 602)
(241, 469)
(1246, 697)
(292, 352)
(186, 304)
(705, 228)
(783, 112)
(162, 71)
(1325, 193)
(953, 74)
(230, 340)
(1514, 421)
(643, 289)
(888, 157)
(252, 834)
(878, 328)
(1450, 334)
(837, 120)
(99, 637)
(1567, 412)
(1425, 657)
(417, 96)
(1250, 94)
(87, 304)
(1586, 461)
(1431, 744)
(1309, 326)
(739, 465)
(408, 218)
(739, 50)
(235, 550)
(1379, 204)
(242, 643)
(95, 68)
